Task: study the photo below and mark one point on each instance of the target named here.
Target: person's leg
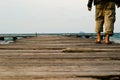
(99, 17)
(109, 20)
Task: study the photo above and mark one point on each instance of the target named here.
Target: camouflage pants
(105, 14)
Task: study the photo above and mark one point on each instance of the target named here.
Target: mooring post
(14, 38)
(2, 38)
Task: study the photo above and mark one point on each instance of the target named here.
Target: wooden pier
(56, 57)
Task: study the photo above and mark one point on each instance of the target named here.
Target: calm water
(115, 37)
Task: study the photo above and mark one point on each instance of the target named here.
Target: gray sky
(47, 16)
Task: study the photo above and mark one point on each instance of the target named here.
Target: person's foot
(98, 42)
(98, 38)
(107, 41)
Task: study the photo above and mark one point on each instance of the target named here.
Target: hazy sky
(47, 16)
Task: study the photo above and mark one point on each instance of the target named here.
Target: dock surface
(52, 57)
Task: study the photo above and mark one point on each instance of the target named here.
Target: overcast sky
(47, 16)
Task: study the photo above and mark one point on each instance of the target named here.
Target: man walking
(104, 14)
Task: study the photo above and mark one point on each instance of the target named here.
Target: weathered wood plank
(54, 48)
(82, 68)
(29, 51)
(59, 74)
(111, 55)
(39, 78)
(89, 50)
(53, 62)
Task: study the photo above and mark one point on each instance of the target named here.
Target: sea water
(115, 38)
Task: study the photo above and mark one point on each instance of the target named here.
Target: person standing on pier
(104, 14)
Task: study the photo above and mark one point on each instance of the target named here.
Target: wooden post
(2, 38)
(87, 36)
(14, 38)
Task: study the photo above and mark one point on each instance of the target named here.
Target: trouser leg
(109, 18)
(99, 17)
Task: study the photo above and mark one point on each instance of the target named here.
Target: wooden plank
(89, 50)
(44, 47)
(59, 74)
(38, 78)
(28, 51)
(58, 55)
(82, 68)
(54, 62)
